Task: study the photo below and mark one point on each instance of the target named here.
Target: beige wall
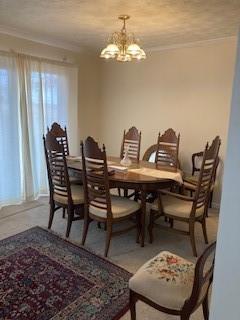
(188, 89)
(88, 83)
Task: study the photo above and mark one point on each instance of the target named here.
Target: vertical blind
(33, 95)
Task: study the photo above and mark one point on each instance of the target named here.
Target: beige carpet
(123, 251)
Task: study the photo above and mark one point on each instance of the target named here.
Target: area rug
(43, 276)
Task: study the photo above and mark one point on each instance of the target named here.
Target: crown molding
(75, 48)
(189, 44)
(43, 40)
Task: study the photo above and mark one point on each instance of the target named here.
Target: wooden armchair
(150, 153)
(62, 193)
(167, 149)
(174, 285)
(100, 206)
(176, 207)
(190, 182)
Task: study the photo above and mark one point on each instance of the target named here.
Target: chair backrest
(202, 278)
(95, 176)
(150, 153)
(207, 171)
(131, 142)
(61, 135)
(167, 149)
(197, 161)
(57, 167)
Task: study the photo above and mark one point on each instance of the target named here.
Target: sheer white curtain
(42, 94)
(10, 160)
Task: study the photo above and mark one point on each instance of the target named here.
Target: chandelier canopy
(123, 46)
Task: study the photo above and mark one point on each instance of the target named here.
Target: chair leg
(150, 226)
(171, 221)
(85, 228)
(205, 308)
(63, 213)
(119, 192)
(136, 196)
(192, 238)
(70, 213)
(138, 218)
(108, 238)
(204, 228)
(132, 305)
(184, 316)
(125, 192)
(211, 200)
(99, 225)
(52, 210)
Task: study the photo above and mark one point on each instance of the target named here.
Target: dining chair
(150, 154)
(167, 149)
(62, 193)
(190, 182)
(61, 135)
(173, 285)
(100, 206)
(132, 142)
(177, 207)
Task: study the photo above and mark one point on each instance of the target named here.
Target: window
(33, 95)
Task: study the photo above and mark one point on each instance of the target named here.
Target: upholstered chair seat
(121, 207)
(191, 179)
(177, 207)
(167, 280)
(77, 195)
(190, 183)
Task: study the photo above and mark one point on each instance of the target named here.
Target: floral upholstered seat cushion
(167, 280)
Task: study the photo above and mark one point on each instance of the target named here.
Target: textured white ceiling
(87, 23)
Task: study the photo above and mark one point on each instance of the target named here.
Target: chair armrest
(176, 195)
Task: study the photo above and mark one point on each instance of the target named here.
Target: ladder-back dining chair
(61, 135)
(131, 142)
(62, 193)
(176, 207)
(174, 285)
(167, 149)
(100, 206)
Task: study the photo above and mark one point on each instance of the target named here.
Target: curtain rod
(13, 53)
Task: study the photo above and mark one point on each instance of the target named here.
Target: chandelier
(123, 46)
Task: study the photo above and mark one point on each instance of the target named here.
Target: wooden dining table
(128, 179)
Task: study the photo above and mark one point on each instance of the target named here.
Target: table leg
(143, 216)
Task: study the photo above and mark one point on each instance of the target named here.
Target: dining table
(142, 176)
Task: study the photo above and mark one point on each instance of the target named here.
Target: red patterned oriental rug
(43, 276)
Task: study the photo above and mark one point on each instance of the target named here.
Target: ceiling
(79, 24)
